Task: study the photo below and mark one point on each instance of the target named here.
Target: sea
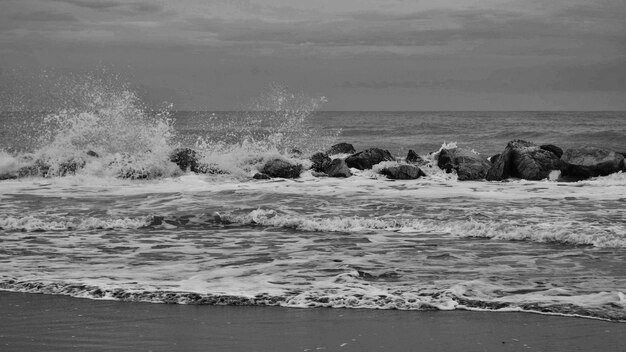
(125, 223)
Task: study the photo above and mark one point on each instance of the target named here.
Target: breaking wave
(565, 232)
(96, 124)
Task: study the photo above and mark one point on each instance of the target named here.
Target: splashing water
(99, 125)
(95, 124)
(274, 124)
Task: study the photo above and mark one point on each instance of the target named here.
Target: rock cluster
(519, 159)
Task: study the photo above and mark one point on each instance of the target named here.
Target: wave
(97, 125)
(561, 232)
(352, 290)
(564, 232)
(57, 223)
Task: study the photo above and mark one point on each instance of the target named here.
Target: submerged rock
(525, 160)
(403, 172)
(8, 175)
(38, 168)
(281, 168)
(213, 169)
(413, 158)
(188, 160)
(260, 176)
(338, 168)
(70, 167)
(366, 159)
(320, 162)
(138, 173)
(92, 154)
(586, 162)
(341, 148)
(185, 158)
(467, 164)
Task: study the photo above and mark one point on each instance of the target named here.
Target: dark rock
(338, 168)
(341, 148)
(494, 158)
(185, 158)
(93, 154)
(128, 169)
(213, 169)
(467, 164)
(281, 168)
(413, 158)
(585, 162)
(38, 168)
(8, 176)
(70, 167)
(366, 159)
(188, 160)
(525, 160)
(320, 162)
(403, 172)
(260, 176)
(552, 148)
(156, 220)
(130, 172)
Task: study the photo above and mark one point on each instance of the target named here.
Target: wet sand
(34, 322)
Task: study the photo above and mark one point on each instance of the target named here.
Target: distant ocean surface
(487, 132)
(363, 242)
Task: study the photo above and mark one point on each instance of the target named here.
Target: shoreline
(37, 322)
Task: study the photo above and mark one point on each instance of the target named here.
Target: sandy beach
(34, 322)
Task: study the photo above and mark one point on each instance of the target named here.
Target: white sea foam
(33, 223)
(564, 232)
(8, 163)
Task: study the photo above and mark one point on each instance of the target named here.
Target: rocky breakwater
(363, 160)
(519, 160)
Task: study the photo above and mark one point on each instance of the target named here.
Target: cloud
(382, 84)
(44, 16)
(429, 28)
(605, 76)
(126, 7)
(95, 4)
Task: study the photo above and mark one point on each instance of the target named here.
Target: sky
(360, 54)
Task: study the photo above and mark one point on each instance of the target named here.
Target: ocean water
(363, 242)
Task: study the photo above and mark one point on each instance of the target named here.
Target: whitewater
(104, 214)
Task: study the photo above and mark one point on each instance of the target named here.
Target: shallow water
(362, 242)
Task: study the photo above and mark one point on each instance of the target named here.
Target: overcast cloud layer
(362, 55)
